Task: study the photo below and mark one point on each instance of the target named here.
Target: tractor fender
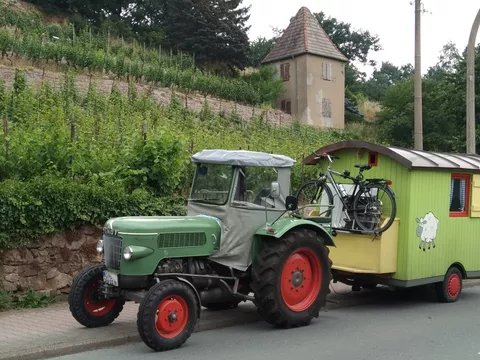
(281, 227)
(199, 301)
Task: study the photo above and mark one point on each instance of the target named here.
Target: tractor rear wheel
(167, 315)
(291, 278)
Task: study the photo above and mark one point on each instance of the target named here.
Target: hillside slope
(161, 95)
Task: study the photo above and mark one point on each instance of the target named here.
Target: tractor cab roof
(242, 158)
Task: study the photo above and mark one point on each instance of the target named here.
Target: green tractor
(243, 239)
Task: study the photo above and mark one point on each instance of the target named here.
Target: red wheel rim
(172, 316)
(301, 280)
(454, 283)
(96, 307)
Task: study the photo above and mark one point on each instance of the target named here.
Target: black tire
(267, 278)
(82, 299)
(357, 213)
(450, 289)
(147, 312)
(314, 185)
(369, 286)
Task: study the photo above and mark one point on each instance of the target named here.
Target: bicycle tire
(389, 193)
(316, 184)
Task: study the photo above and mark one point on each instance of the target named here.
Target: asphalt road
(403, 325)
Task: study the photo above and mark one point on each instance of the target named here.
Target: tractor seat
(364, 167)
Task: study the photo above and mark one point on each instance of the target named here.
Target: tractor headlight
(100, 246)
(127, 253)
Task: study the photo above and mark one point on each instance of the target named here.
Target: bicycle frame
(328, 175)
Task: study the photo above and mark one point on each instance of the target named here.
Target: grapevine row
(24, 35)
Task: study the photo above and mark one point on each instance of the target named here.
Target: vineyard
(24, 35)
(68, 157)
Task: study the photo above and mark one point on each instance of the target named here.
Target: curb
(245, 314)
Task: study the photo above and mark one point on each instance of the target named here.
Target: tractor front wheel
(86, 302)
(167, 315)
(291, 278)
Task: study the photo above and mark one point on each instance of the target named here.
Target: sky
(393, 21)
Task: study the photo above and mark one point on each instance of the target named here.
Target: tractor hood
(154, 225)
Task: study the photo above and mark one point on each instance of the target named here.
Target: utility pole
(418, 79)
(471, 138)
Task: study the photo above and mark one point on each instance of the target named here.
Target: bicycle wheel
(312, 192)
(368, 207)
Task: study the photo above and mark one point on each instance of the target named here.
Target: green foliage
(76, 159)
(81, 49)
(444, 110)
(376, 87)
(48, 204)
(215, 30)
(356, 45)
(259, 49)
(28, 300)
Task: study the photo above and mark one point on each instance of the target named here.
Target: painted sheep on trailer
(427, 230)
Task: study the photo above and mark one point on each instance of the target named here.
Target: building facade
(313, 72)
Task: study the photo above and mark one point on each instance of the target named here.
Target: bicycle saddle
(364, 167)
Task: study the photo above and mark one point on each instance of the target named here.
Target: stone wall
(50, 265)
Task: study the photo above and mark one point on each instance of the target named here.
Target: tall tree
(93, 10)
(443, 106)
(215, 30)
(356, 45)
(376, 87)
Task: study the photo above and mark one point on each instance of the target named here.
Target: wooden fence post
(303, 167)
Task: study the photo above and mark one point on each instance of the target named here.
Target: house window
(286, 106)
(372, 158)
(327, 71)
(326, 108)
(285, 71)
(459, 195)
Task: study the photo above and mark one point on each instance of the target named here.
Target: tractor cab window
(253, 186)
(212, 184)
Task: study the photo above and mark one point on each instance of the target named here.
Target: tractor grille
(113, 251)
(182, 240)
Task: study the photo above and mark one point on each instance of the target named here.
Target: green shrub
(27, 300)
(44, 205)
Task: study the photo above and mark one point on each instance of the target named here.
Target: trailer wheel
(450, 289)
(87, 306)
(167, 315)
(291, 278)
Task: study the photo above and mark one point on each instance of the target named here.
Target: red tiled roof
(304, 35)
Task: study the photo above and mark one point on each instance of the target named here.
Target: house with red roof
(313, 72)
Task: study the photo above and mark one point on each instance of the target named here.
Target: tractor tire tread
(76, 300)
(147, 311)
(264, 279)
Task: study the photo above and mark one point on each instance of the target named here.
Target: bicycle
(363, 210)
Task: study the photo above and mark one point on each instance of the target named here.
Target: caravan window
(459, 195)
